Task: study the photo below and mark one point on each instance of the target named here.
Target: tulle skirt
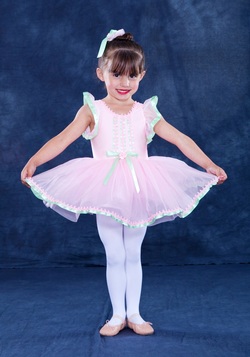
(141, 192)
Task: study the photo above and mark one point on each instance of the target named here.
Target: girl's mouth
(123, 91)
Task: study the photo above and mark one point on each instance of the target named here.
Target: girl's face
(119, 86)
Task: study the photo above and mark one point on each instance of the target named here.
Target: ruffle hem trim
(178, 212)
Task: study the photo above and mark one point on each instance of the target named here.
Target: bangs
(125, 62)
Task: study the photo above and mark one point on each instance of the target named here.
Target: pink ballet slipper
(141, 329)
(109, 330)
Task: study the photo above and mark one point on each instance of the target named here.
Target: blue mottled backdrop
(198, 65)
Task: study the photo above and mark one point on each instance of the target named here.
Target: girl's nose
(125, 81)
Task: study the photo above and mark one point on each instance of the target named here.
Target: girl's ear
(142, 75)
(99, 74)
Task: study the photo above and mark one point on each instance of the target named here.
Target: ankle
(136, 318)
(116, 320)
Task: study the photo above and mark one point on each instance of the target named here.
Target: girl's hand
(219, 172)
(28, 171)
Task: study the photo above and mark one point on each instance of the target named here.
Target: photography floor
(196, 311)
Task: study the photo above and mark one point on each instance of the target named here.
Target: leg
(133, 238)
(111, 235)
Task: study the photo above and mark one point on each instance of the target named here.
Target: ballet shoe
(143, 329)
(109, 330)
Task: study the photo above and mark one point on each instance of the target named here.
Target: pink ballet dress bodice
(120, 134)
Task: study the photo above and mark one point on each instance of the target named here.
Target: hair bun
(127, 36)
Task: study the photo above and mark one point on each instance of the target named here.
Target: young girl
(126, 189)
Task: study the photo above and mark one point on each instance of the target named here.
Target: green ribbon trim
(89, 100)
(154, 101)
(120, 156)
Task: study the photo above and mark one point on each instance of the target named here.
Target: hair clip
(110, 36)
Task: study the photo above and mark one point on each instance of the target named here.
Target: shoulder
(91, 106)
(85, 113)
(91, 110)
(91, 103)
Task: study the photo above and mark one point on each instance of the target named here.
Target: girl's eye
(131, 76)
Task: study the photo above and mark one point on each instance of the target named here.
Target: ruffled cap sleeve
(152, 116)
(88, 99)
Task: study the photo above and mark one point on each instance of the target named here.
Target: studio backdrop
(197, 64)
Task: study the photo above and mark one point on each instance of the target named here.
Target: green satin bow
(110, 36)
(120, 156)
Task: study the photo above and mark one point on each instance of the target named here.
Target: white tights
(124, 271)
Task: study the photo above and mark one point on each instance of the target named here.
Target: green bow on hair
(110, 36)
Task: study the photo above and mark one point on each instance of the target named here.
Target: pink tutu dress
(121, 180)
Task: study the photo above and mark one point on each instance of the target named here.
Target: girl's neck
(119, 106)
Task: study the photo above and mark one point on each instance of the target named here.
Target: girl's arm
(60, 142)
(189, 148)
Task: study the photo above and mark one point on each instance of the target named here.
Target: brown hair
(126, 56)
